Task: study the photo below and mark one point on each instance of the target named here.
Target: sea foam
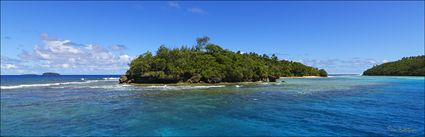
(111, 78)
(46, 84)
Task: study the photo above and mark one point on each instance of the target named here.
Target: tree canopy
(407, 66)
(210, 63)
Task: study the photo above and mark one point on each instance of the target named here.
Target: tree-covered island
(209, 63)
(50, 74)
(407, 66)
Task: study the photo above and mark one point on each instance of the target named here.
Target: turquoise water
(97, 105)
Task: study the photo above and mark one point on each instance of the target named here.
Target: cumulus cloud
(5, 59)
(385, 61)
(353, 65)
(196, 10)
(124, 58)
(58, 54)
(173, 4)
(11, 65)
(176, 5)
(8, 66)
(118, 47)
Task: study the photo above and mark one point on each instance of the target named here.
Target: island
(50, 74)
(209, 63)
(407, 66)
(29, 74)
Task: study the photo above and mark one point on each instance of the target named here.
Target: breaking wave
(108, 85)
(46, 84)
(29, 85)
(111, 78)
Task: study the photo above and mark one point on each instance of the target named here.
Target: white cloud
(197, 10)
(58, 46)
(173, 4)
(65, 65)
(8, 66)
(118, 47)
(124, 58)
(64, 55)
(176, 5)
(354, 65)
(384, 61)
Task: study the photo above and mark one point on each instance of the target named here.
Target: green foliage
(323, 73)
(215, 64)
(407, 66)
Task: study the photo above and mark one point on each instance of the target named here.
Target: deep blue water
(97, 105)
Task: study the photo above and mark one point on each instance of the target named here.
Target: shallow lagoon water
(97, 105)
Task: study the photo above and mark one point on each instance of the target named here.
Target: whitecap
(29, 85)
(45, 85)
(111, 78)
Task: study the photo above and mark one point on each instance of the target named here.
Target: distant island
(407, 66)
(29, 74)
(50, 74)
(209, 63)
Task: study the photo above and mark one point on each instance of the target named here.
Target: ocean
(96, 105)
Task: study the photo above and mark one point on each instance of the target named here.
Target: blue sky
(102, 37)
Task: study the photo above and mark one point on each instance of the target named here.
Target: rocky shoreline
(157, 79)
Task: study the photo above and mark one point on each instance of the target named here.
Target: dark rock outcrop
(123, 79)
(273, 78)
(195, 79)
(152, 78)
(50, 74)
(148, 78)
